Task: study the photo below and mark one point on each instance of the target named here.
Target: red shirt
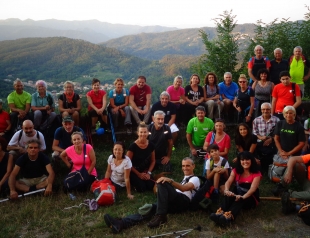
(96, 98)
(4, 117)
(140, 94)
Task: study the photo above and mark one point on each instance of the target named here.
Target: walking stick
(198, 228)
(25, 194)
(279, 199)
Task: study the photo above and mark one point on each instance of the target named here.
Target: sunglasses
(242, 81)
(244, 159)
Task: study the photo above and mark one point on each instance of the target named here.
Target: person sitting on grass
(34, 167)
(217, 169)
(172, 197)
(119, 167)
(6, 166)
(245, 194)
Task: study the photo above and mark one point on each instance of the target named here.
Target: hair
(17, 81)
(118, 80)
(221, 121)
(142, 77)
(178, 77)
(159, 112)
(239, 139)
(188, 158)
(262, 71)
(297, 47)
(213, 147)
(165, 93)
(39, 82)
(200, 108)
(246, 154)
(277, 49)
(193, 75)
(284, 73)
(95, 81)
(123, 146)
(77, 133)
(33, 141)
(142, 124)
(68, 82)
(260, 47)
(266, 103)
(206, 80)
(289, 108)
(243, 76)
(228, 73)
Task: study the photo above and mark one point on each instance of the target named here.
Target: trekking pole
(198, 228)
(279, 199)
(112, 128)
(219, 109)
(25, 194)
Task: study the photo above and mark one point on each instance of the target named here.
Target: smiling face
(214, 154)
(188, 167)
(263, 76)
(266, 111)
(177, 83)
(243, 131)
(118, 151)
(68, 126)
(77, 140)
(164, 100)
(19, 87)
(258, 52)
(69, 88)
(219, 126)
(96, 86)
(211, 79)
(289, 116)
(141, 82)
(278, 55)
(41, 89)
(200, 115)
(119, 86)
(194, 80)
(143, 133)
(33, 149)
(227, 79)
(245, 163)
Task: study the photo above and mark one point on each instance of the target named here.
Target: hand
(122, 112)
(165, 160)
(257, 161)
(238, 197)
(140, 111)
(181, 101)
(130, 196)
(47, 107)
(234, 160)
(194, 151)
(229, 193)
(216, 97)
(238, 109)
(21, 150)
(267, 142)
(115, 110)
(163, 180)
(287, 178)
(48, 190)
(144, 111)
(284, 154)
(13, 195)
(247, 118)
(2, 133)
(306, 78)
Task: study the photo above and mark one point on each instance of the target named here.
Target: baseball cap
(67, 119)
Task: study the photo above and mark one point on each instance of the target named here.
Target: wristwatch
(149, 172)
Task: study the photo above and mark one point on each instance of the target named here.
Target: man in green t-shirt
(19, 103)
(197, 130)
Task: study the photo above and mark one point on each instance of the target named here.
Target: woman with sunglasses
(244, 101)
(218, 137)
(245, 195)
(263, 90)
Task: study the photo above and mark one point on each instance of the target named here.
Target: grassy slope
(45, 217)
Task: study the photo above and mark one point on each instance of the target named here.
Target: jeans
(136, 115)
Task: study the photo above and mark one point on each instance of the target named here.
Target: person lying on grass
(33, 166)
(217, 169)
(172, 197)
(245, 194)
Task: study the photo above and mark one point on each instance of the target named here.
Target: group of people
(273, 130)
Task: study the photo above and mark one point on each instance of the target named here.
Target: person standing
(278, 64)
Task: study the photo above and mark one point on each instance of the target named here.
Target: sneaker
(157, 221)
(129, 130)
(173, 148)
(115, 225)
(287, 205)
(226, 218)
(216, 216)
(278, 190)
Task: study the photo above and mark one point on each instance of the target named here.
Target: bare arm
(253, 188)
(273, 105)
(8, 170)
(290, 167)
(108, 172)
(127, 182)
(190, 143)
(251, 75)
(298, 102)
(92, 158)
(55, 146)
(78, 105)
(64, 158)
(12, 182)
(182, 187)
(50, 180)
(172, 120)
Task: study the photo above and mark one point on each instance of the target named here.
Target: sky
(172, 13)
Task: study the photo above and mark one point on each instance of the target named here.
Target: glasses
(242, 81)
(244, 159)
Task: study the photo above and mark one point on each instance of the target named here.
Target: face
(297, 52)
(263, 76)
(195, 80)
(266, 111)
(143, 133)
(188, 167)
(33, 149)
(77, 139)
(227, 78)
(200, 115)
(96, 86)
(214, 153)
(258, 51)
(219, 126)
(285, 80)
(243, 131)
(28, 128)
(68, 126)
(177, 83)
(164, 100)
(245, 163)
(278, 55)
(140, 83)
(19, 87)
(243, 82)
(118, 151)
(41, 88)
(69, 88)
(159, 120)
(119, 86)
(211, 79)
(289, 115)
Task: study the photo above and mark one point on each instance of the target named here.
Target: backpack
(224, 161)
(104, 192)
(124, 92)
(304, 60)
(277, 169)
(21, 134)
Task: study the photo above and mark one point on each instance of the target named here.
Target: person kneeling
(33, 166)
(245, 195)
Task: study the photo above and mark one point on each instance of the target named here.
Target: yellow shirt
(297, 69)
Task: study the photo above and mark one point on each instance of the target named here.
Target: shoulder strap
(187, 179)
(211, 164)
(124, 92)
(20, 135)
(290, 60)
(38, 136)
(212, 138)
(224, 161)
(293, 91)
(84, 152)
(114, 93)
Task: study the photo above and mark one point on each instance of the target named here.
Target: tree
(222, 52)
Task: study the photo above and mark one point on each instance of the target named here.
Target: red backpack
(104, 192)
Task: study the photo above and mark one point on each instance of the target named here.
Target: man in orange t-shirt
(283, 95)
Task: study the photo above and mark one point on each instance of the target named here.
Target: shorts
(174, 128)
(33, 181)
(93, 113)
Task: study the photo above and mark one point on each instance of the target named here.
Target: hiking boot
(226, 218)
(115, 225)
(287, 205)
(216, 216)
(278, 190)
(157, 221)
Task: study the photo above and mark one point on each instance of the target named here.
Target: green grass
(37, 216)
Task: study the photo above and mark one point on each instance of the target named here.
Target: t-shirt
(141, 158)
(244, 98)
(193, 95)
(24, 139)
(284, 96)
(246, 145)
(96, 98)
(222, 144)
(72, 104)
(19, 100)
(78, 160)
(228, 90)
(119, 98)
(33, 168)
(139, 94)
(160, 139)
(169, 110)
(215, 165)
(199, 130)
(175, 95)
(257, 64)
(118, 172)
(194, 180)
(297, 69)
(211, 92)
(263, 93)
(64, 137)
(276, 68)
(290, 135)
(4, 117)
(38, 101)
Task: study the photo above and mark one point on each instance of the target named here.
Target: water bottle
(96, 192)
(98, 125)
(72, 197)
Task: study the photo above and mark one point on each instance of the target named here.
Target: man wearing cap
(197, 130)
(17, 145)
(62, 137)
(172, 197)
(5, 123)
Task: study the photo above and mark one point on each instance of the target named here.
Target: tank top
(263, 93)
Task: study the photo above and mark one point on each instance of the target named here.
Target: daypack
(224, 161)
(277, 169)
(124, 92)
(104, 191)
(21, 134)
(304, 60)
